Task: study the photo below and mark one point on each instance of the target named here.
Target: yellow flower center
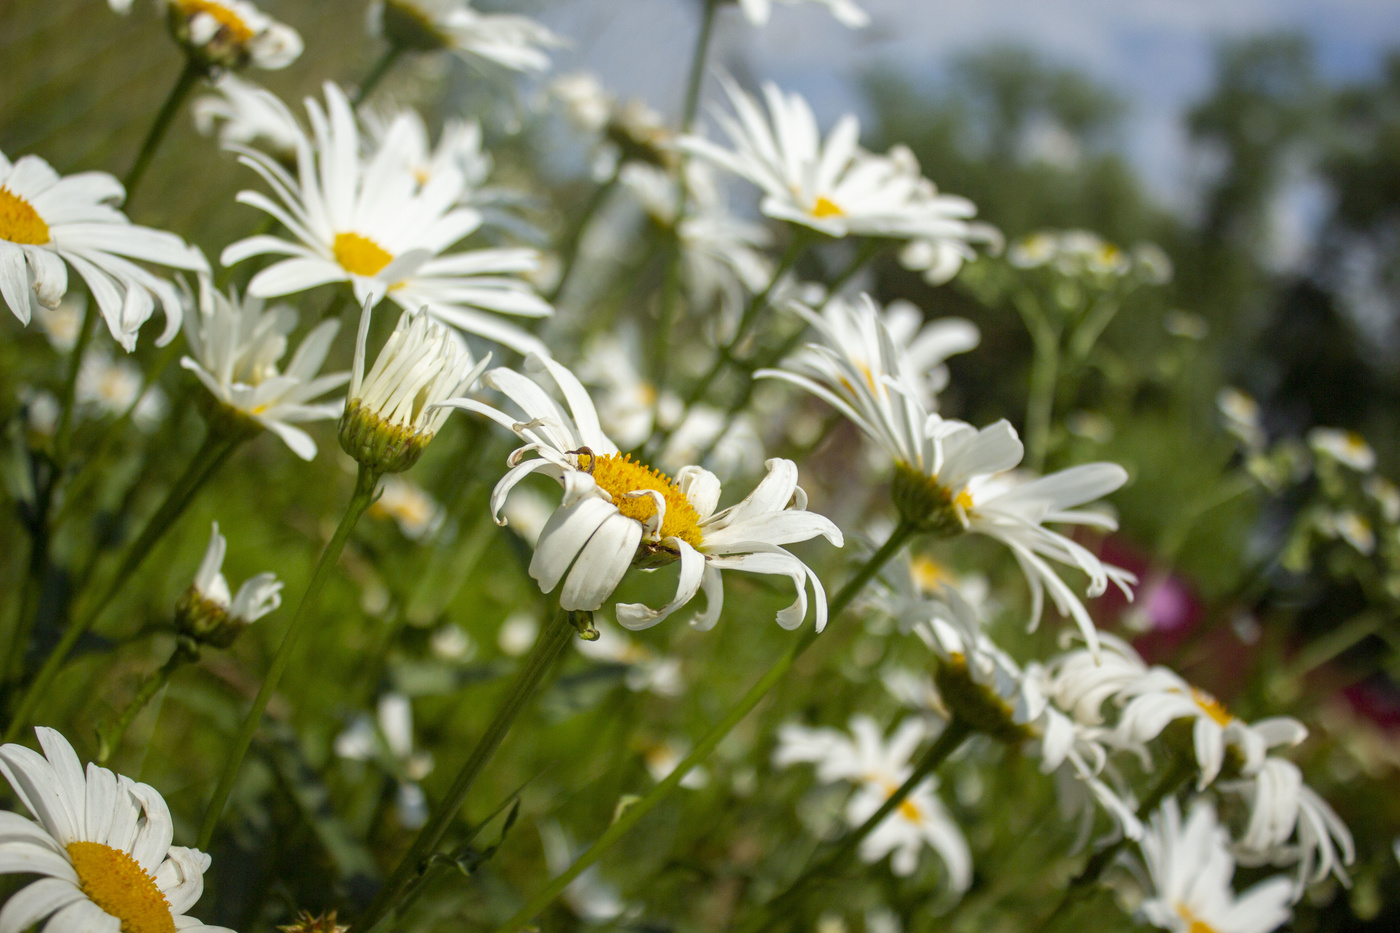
(20, 222)
(116, 883)
(618, 474)
(1211, 707)
(928, 574)
(360, 255)
(232, 24)
(964, 499)
(825, 207)
(1194, 923)
(907, 808)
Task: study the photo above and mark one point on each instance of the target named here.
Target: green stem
(953, 736)
(110, 737)
(635, 811)
(217, 445)
(376, 74)
(191, 73)
(570, 247)
(1182, 770)
(63, 436)
(365, 481)
(1285, 684)
(697, 65)
(1040, 405)
(548, 645)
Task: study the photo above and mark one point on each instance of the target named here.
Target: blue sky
(1156, 53)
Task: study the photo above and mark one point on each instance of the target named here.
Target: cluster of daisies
(366, 201)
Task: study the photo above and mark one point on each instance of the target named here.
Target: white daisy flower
(616, 511)
(1190, 872)
(514, 42)
(417, 514)
(1290, 824)
(232, 34)
(1160, 697)
(388, 738)
(236, 345)
(879, 767)
(1385, 495)
(459, 148)
(210, 612)
(846, 11)
(1346, 447)
(62, 323)
(940, 258)
(370, 223)
(1351, 527)
(830, 185)
(1241, 414)
(111, 387)
(586, 102)
(47, 220)
(661, 758)
(590, 897)
(392, 413)
(949, 476)
(120, 6)
(101, 844)
(245, 115)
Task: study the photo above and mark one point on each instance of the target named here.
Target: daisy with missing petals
(831, 185)
(231, 34)
(236, 345)
(847, 13)
(1189, 875)
(878, 768)
(369, 222)
(210, 612)
(950, 477)
(101, 844)
(514, 42)
(617, 513)
(47, 220)
(393, 412)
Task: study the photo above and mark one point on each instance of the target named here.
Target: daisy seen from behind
(47, 220)
(617, 513)
(210, 612)
(236, 345)
(514, 42)
(101, 843)
(368, 221)
(233, 34)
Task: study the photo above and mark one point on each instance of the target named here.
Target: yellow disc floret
(20, 222)
(619, 474)
(360, 255)
(1211, 707)
(230, 22)
(122, 888)
(825, 207)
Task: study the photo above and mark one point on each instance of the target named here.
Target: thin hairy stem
(110, 737)
(191, 73)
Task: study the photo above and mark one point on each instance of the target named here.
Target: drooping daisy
(1190, 874)
(371, 223)
(236, 345)
(1290, 824)
(846, 11)
(232, 34)
(247, 115)
(101, 843)
(830, 185)
(392, 413)
(514, 42)
(210, 612)
(47, 220)
(879, 767)
(616, 511)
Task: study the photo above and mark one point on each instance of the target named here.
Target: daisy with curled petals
(514, 42)
(950, 477)
(1190, 875)
(832, 185)
(847, 13)
(101, 843)
(617, 513)
(236, 345)
(47, 220)
(1289, 823)
(879, 767)
(368, 221)
(231, 34)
